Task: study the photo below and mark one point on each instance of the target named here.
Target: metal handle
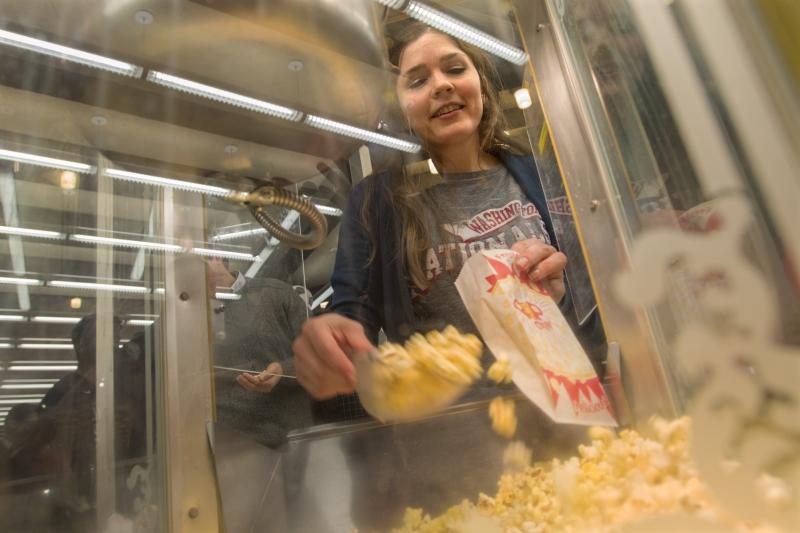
(271, 195)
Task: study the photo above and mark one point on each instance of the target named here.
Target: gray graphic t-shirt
(484, 210)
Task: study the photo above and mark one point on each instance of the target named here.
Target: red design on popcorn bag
(518, 320)
(501, 271)
(580, 393)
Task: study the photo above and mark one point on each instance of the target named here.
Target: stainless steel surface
(104, 370)
(187, 374)
(253, 45)
(602, 234)
(365, 475)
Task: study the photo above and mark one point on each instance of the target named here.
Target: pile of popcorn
(614, 481)
(413, 375)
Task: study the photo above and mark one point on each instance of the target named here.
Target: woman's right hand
(320, 355)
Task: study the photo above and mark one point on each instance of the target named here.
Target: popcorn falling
(504, 418)
(500, 371)
(425, 368)
(612, 482)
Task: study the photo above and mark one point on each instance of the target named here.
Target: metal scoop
(369, 391)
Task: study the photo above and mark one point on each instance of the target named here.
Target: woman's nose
(441, 84)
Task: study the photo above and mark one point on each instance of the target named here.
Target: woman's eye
(418, 82)
(457, 70)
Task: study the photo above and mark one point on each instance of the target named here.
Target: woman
(404, 238)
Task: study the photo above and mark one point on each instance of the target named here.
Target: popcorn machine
(173, 179)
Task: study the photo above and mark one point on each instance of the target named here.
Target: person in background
(70, 406)
(259, 328)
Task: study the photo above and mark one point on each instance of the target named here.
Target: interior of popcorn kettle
(214, 142)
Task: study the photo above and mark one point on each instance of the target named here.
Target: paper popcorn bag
(520, 321)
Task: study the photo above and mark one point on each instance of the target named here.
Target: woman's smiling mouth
(447, 110)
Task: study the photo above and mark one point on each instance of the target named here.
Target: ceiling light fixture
(42, 368)
(458, 29)
(361, 134)
(523, 98)
(6, 345)
(20, 281)
(238, 234)
(47, 162)
(68, 180)
(136, 289)
(227, 296)
(223, 96)
(70, 54)
(139, 322)
(329, 210)
(224, 254)
(56, 319)
(158, 181)
(27, 232)
(14, 401)
(44, 346)
(12, 318)
(126, 243)
(20, 386)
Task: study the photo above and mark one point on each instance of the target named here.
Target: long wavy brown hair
(407, 192)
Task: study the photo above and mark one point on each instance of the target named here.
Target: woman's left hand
(263, 382)
(543, 263)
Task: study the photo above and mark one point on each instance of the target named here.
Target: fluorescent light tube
(221, 95)
(223, 253)
(21, 386)
(27, 232)
(15, 401)
(139, 322)
(227, 296)
(6, 345)
(328, 210)
(70, 54)
(36, 381)
(48, 162)
(99, 286)
(158, 181)
(461, 30)
(12, 318)
(238, 234)
(361, 134)
(127, 243)
(42, 368)
(56, 319)
(44, 362)
(44, 346)
(20, 281)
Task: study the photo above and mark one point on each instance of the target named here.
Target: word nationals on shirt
(490, 229)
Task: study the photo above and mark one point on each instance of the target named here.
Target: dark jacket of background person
(259, 330)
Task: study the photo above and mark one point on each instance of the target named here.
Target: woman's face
(439, 91)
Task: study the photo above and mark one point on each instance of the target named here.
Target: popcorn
(613, 482)
(517, 457)
(410, 378)
(504, 419)
(500, 371)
